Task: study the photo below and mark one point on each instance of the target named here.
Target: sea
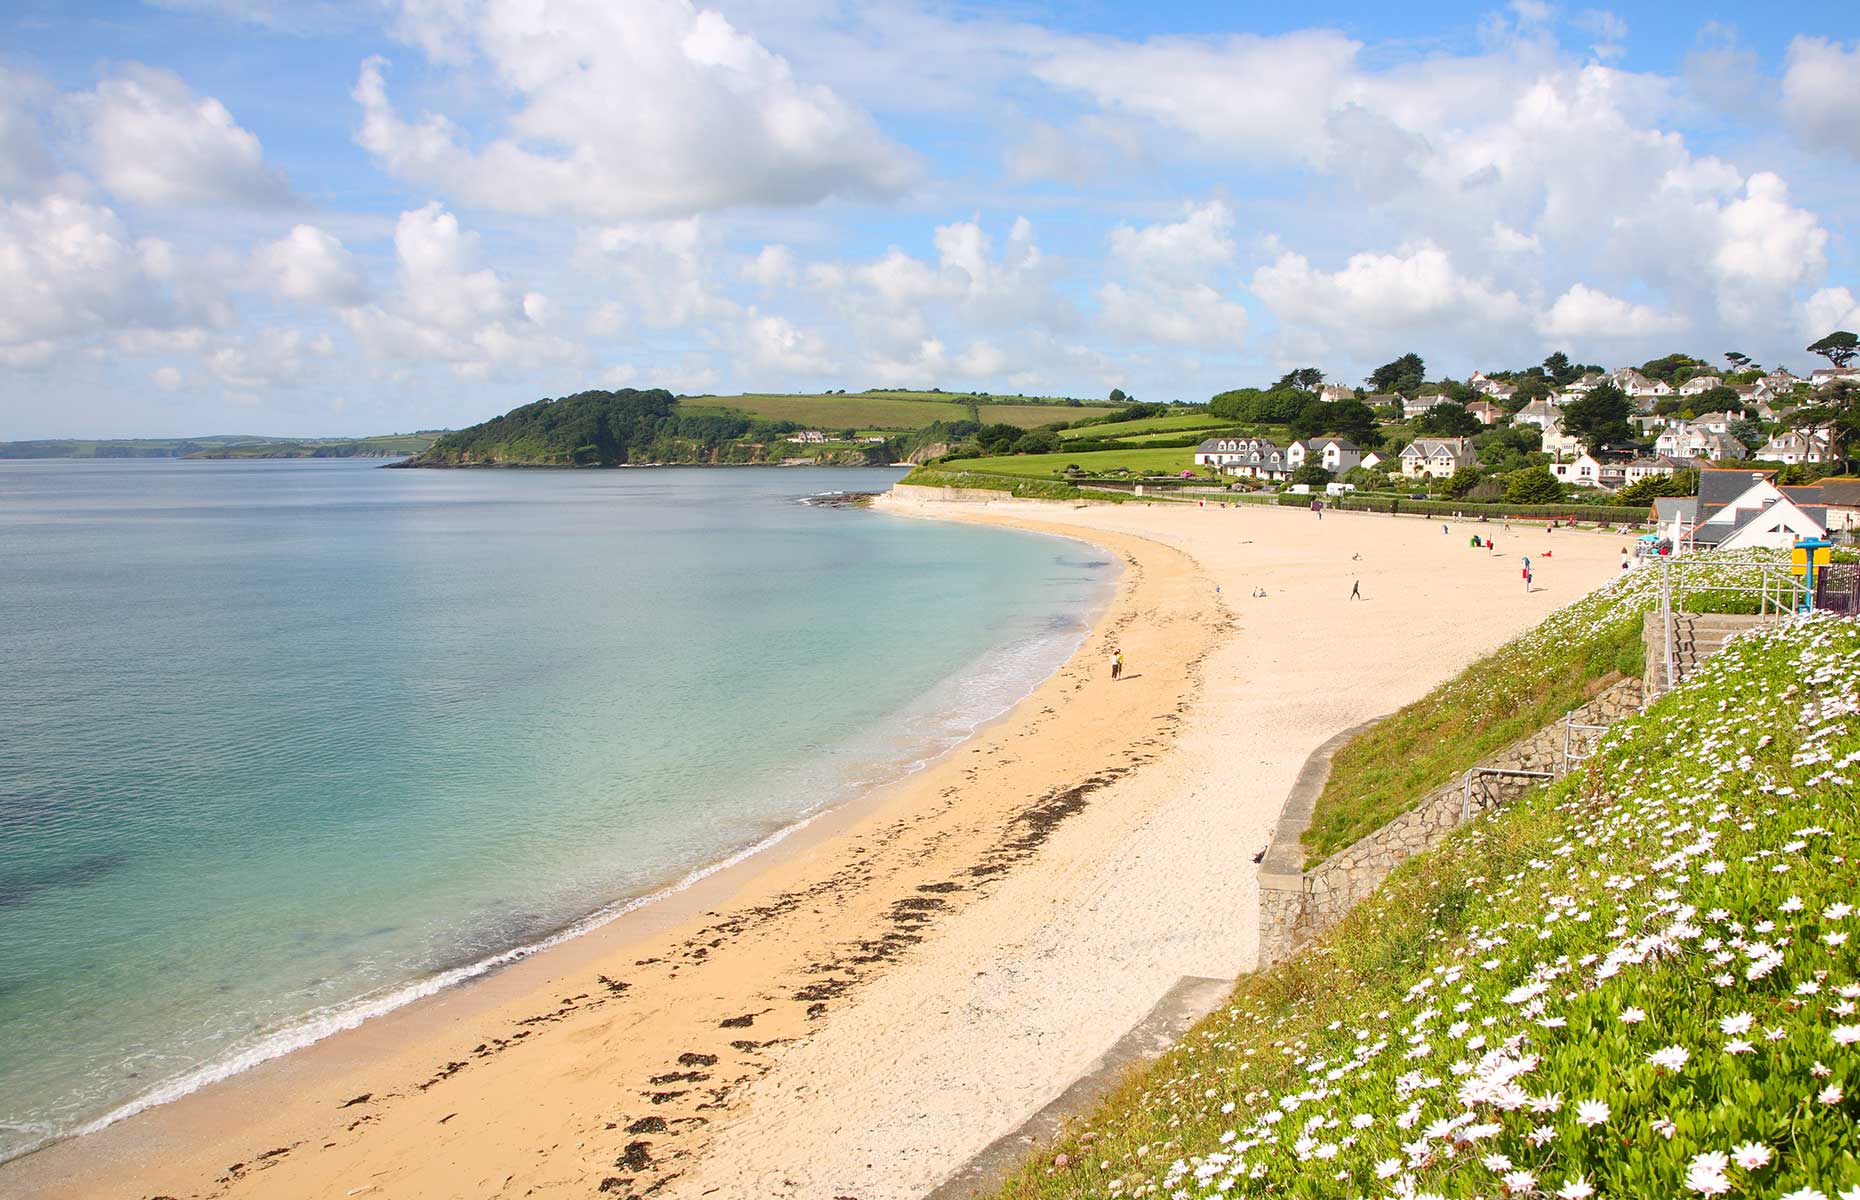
(288, 744)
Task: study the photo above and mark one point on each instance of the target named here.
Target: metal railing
(1575, 751)
(1779, 593)
(1467, 784)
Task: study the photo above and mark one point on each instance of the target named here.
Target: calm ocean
(286, 743)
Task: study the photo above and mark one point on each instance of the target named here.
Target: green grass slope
(1640, 982)
(1522, 686)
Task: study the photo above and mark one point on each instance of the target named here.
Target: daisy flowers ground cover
(1633, 983)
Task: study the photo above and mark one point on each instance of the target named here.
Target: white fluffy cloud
(156, 141)
(1583, 314)
(652, 108)
(312, 265)
(449, 309)
(1377, 299)
(662, 271)
(1821, 93)
(1828, 310)
(72, 270)
(1164, 293)
(1241, 93)
(267, 358)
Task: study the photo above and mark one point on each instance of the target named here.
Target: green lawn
(1093, 462)
(1117, 429)
(1032, 416)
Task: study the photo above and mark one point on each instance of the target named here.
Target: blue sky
(322, 218)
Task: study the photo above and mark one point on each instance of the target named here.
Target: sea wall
(1296, 905)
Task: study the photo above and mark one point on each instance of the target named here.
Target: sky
(310, 217)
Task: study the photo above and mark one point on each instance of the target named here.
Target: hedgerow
(1639, 982)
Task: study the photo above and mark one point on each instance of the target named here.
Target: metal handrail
(1466, 799)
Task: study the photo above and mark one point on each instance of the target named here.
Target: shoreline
(313, 1028)
(92, 1160)
(864, 1007)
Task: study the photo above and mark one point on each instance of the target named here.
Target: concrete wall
(1297, 905)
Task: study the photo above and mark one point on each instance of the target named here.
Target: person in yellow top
(1117, 664)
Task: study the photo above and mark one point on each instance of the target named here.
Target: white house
(1541, 413)
(1713, 422)
(1558, 443)
(1336, 391)
(1420, 404)
(1438, 457)
(1633, 384)
(1372, 461)
(1825, 376)
(1699, 384)
(1793, 448)
(1587, 383)
(1220, 452)
(1761, 516)
(1585, 470)
(1336, 454)
(1695, 440)
(1647, 468)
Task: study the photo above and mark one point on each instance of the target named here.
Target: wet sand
(857, 1011)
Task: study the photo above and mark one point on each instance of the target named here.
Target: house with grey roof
(1437, 457)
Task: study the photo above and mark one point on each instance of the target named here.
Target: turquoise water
(283, 744)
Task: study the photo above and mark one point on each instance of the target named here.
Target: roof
(1718, 487)
(1342, 443)
(1666, 508)
(1842, 493)
(1382, 398)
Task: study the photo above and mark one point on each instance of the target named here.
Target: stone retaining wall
(1297, 905)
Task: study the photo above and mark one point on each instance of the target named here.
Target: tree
(1559, 370)
(1667, 369)
(1350, 418)
(1304, 379)
(1311, 475)
(1405, 375)
(1739, 362)
(1118, 397)
(1447, 420)
(997, 438)
(1510, 448)
(1718, 399)
(1645, 491)
(1462, 481)
(1600, 416)
(1533, 485)
(1838, 347)
(1038, 442)
(1748, 432)
(1836, 408)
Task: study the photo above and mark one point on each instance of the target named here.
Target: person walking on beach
(1527, 575)
(1117, 665)
(1356, 590)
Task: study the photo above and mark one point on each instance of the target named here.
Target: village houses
(1437, 457)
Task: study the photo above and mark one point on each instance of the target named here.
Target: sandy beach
(859, 1010)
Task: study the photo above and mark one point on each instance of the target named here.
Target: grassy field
(1053, 466)
(884, 413)
(1116, 429)
(889, 412)
(1637, 982)
(1032, 416)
